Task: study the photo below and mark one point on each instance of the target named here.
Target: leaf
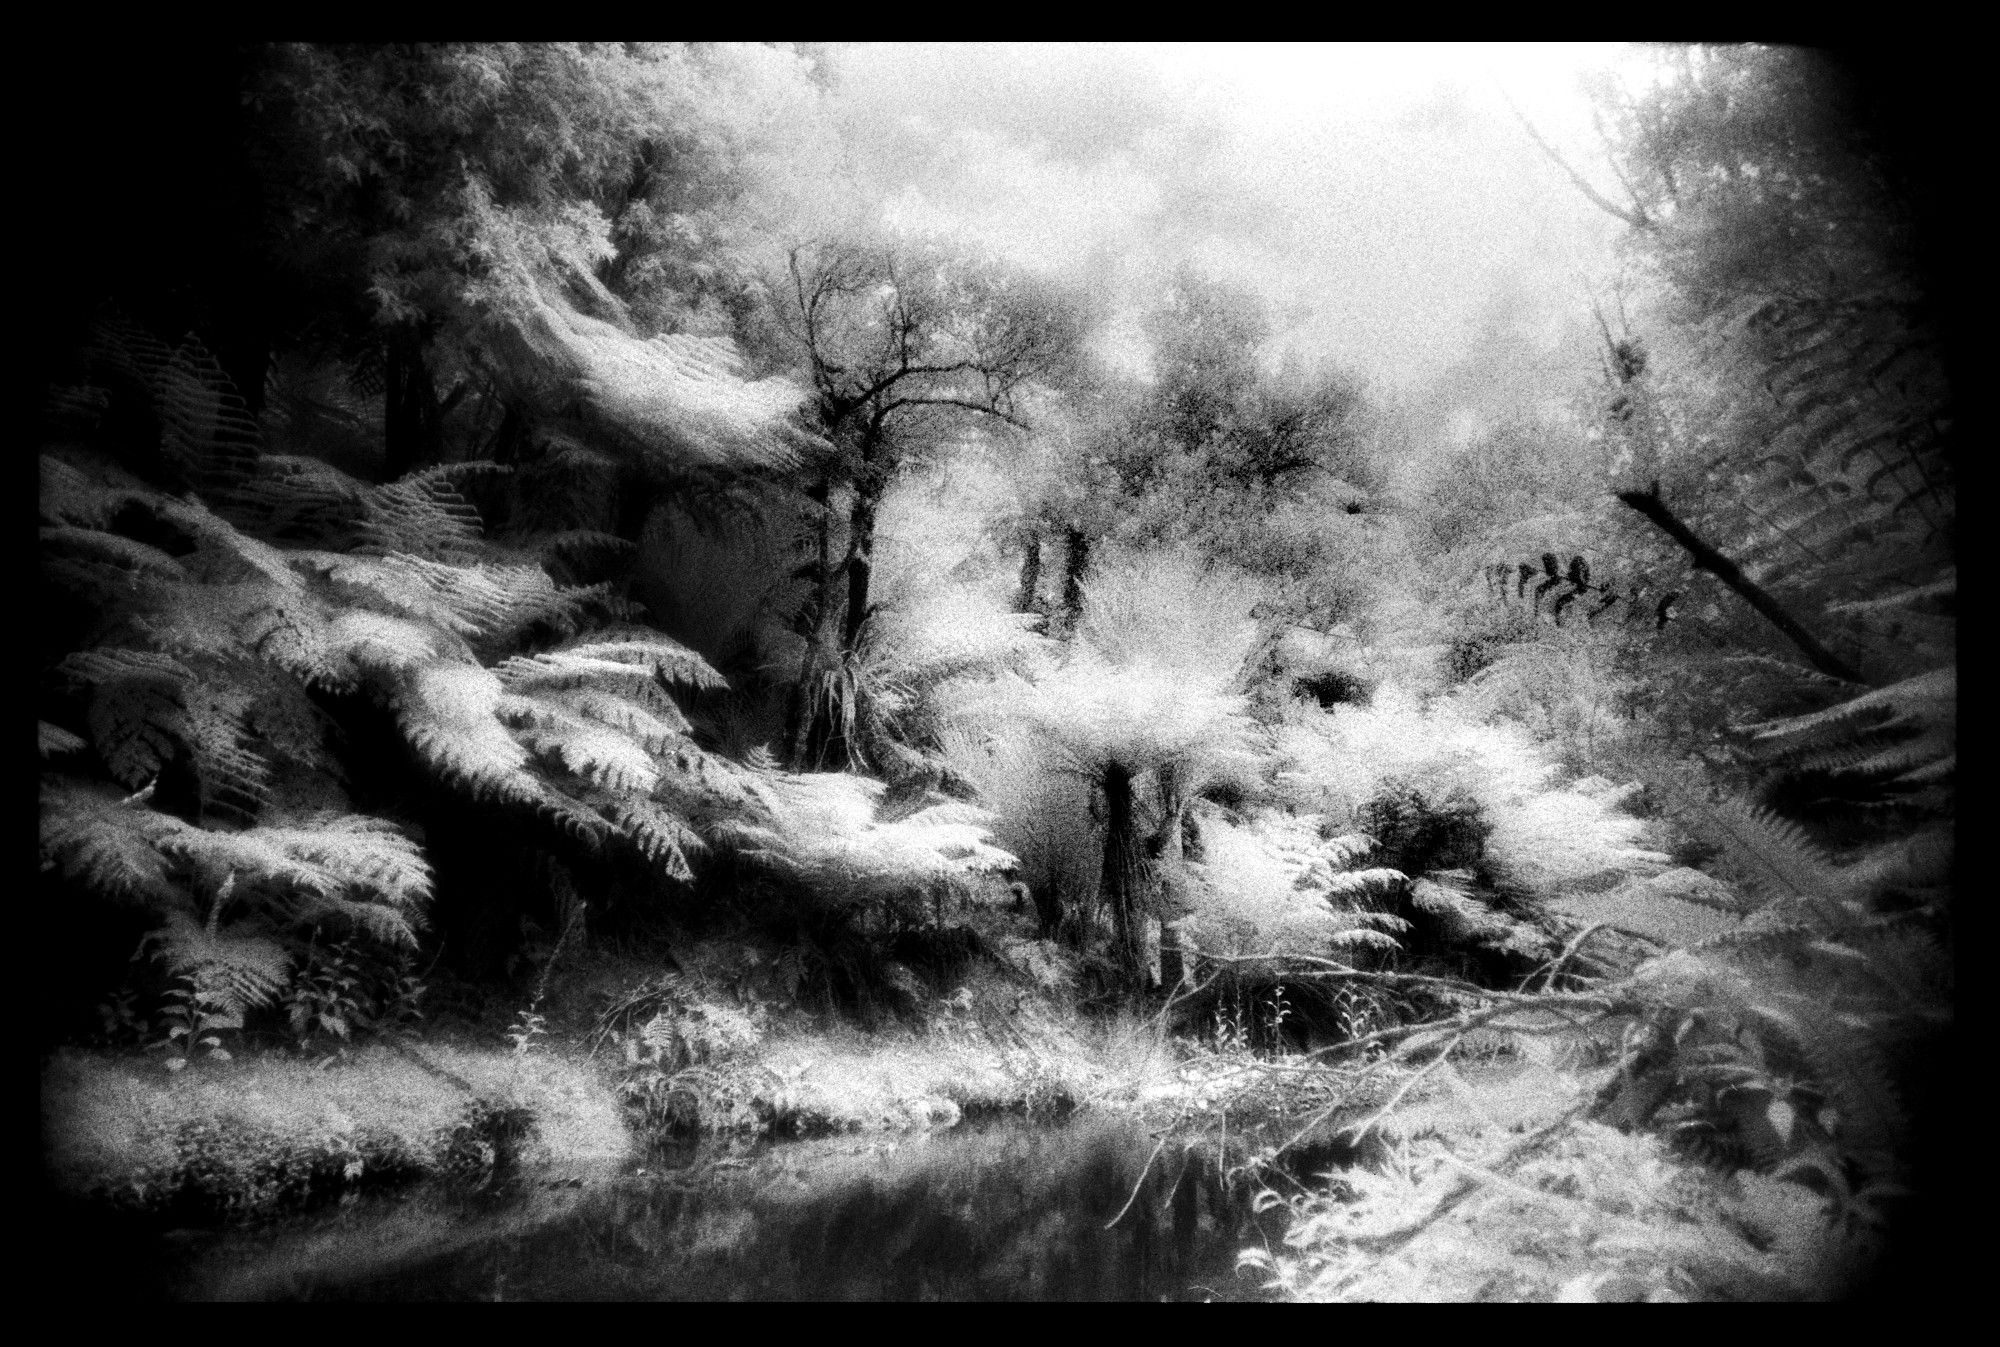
(1781, 1115)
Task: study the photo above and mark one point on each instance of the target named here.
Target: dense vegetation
(504, 514)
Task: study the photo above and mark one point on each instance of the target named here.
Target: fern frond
(302, 500)
(448, 713)
(574, 817)
(230, 774)
(69, 495)
(660, 836)
(206, 429)
(54, 740)
(654, 725)
(1364, 937)
(1872, 1121)
(137, 717)
(1930, 595)
(125, 553)
(360, 643)
(593, 752)
(254, 857)
(1774, 856)
(1928, 757)
(1356, 886)
(423, 515)
(1924, 698)
(643, 648)
(104, 842)
(1348, 848)
(368, 854)
(288, 724)
(237, 969)
(485, 603)
(123, 347)
(682, 398)
(291, 633)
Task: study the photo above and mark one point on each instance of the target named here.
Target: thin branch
(1707, 558)
(1144, 1170)
(1638, 219)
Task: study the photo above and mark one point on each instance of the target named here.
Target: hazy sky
(1382, 198)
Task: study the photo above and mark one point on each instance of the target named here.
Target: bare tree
(900, 343)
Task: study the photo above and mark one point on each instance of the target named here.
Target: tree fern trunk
(1031, 574)
(411, 418)
(1074, 566)
(808, 728)
(860, 565)
(1124, 874)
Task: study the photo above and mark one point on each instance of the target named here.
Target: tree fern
(214, 618)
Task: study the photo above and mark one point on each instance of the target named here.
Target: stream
(1004, 1210)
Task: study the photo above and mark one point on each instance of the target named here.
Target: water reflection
(1005, 1212)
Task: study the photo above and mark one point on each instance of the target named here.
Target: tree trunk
(1077, 560)
(1168, 851)
(808, 729)
(1124, 874)
(411, 420)
(860, 565)
(1649, 504)
(1031, 574)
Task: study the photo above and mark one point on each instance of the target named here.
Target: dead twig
(1144, 1170)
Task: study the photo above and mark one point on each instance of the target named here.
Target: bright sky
(1382, 198)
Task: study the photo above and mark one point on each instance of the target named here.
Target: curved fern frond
(237, 969)
(104, 842)
(1773, 855)
(655, 725)
(596, 754)
(54, 740)
(126, 553)
(362, 643)
(1924, 698)
(1356, 886)
(661, 837)
(206, 429)
(368, 854)
(424, 515)
(448, 713)
(137, 717)
(682, 398)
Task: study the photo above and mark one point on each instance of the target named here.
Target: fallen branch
(1465, 1185)
(1707, 558)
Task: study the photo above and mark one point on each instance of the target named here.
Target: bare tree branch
(1635, 217)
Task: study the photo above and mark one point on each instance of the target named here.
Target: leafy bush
(1417, 834)
(1435, 778)
(1275, 885)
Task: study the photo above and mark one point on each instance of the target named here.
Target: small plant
(121, 1020)
(530, 1025)
(330, 996)
(1417, 832)
(1231, 1032)
(193, 1015)
(404, 1003)
(1278, 1011)
(529, 1028)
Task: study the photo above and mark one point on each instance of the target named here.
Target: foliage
(1276, 885)
(342, 989)
(1433, 779)
(204, 678)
